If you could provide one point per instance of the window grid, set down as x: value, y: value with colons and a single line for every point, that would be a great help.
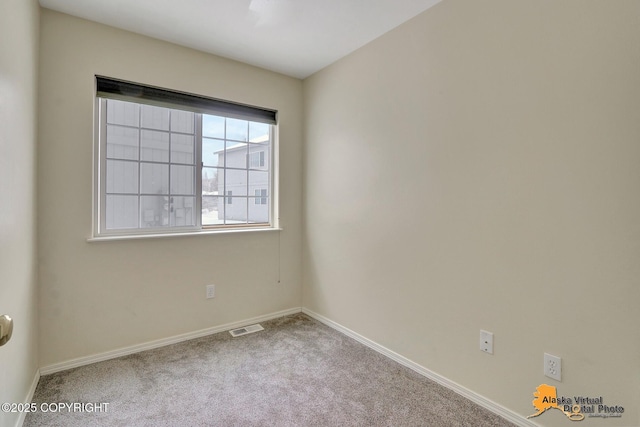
x: 228, y: 196
x: 170, y: 193
x: 252, y: 161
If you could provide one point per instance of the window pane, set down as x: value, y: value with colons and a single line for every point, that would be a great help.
x: 211, y: 210
x: 212, y: 152
x: 236, y: 156
x: 154, y: 211
x: 258, y: 210
x: 210, y: 181
x: 122, y: 177
x: 182, y: 149
x: 182, y: 180
x: 121, y: 212
x: 182, y: 121
x: 182, y: 211
x: 154, y: 146
x: 155, y: 117
x: 213, y: 126
x: 258, y: 132
x: 122, y: 143
x: 238, y: 129
x: 123, y: 113
x: 154, y: 178
x: 236, y: 181
x: 235, y: 210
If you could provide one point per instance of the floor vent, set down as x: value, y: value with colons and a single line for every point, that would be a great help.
x: 246, y: 330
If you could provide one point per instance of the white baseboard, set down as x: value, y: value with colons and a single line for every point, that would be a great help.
x: 82, y: 361
x: 463, y: 391
x: 29, y: 398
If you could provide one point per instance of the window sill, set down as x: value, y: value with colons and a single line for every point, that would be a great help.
x: 182, y: 234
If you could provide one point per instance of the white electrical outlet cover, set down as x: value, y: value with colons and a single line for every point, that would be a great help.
x: 553, y: 366
x: 211, y: 291
x: 486, y: 341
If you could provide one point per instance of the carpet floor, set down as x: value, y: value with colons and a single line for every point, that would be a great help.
x: 297, y: 372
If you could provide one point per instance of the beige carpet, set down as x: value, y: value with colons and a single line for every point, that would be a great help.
x: 297, y: 372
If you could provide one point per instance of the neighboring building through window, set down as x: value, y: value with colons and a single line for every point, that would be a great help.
x: 166, y: 167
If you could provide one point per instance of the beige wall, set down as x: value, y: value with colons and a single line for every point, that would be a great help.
x: 18, y: 67
x: 97, y: 297
x: 474, y: 168
x: 478, y: 167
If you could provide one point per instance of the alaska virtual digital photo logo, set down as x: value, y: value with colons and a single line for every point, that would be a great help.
x: 546, y: 397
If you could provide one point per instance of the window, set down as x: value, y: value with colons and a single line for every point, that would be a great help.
x: 174, y: 162
x: 256, y: 159
x: 261, y: 197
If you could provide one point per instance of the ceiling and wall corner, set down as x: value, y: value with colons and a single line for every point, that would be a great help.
x: 292, y: 37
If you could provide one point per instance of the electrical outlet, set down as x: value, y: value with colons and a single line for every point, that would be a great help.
x: 553, y: 366
x: 211, y: 291
x: 486, y: 341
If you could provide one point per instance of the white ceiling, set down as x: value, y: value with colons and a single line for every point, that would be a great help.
x: 293, y: 37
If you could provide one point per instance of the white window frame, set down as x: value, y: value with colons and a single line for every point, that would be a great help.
x: 99, y: 177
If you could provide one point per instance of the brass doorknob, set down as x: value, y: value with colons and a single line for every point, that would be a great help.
x: 6, y: 328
